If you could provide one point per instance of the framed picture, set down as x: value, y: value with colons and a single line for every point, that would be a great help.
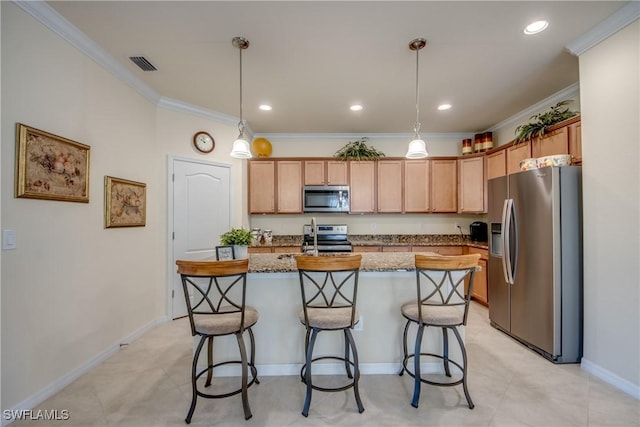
x: 50, y: 167
x: 125, y: 203
x: 224, y: 253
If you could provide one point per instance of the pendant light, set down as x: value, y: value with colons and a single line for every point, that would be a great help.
x: 417, y: 147
x: 240, y: 149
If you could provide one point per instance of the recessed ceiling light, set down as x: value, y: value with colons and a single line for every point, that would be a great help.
x: 443, y: 107
x: 356, y: 107
x: 265, y: 107
x: 536, y: 27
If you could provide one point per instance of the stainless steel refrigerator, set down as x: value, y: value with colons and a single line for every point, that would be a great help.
x: 535, y: 259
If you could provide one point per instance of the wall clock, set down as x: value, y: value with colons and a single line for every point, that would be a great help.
x: 203, y: 142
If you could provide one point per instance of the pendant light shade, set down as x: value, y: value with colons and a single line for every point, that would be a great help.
x: 417, y: 147
x: 417, y: 150
x: 240, y: 148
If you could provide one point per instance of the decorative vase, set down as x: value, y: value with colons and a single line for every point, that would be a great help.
x: 240, y: 251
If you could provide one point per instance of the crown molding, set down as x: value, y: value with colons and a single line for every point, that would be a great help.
x: 185, y: 107
x: 524, y: 115
x: 51, y: 19
x: 612, y: 24
x: 378, y: 136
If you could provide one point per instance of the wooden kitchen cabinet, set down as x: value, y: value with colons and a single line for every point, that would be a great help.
x: 366, y: 248
x: 362, y: 182
x: 480, y: 291
x: 444, y: 185
x: 575, y: 142
x: 515, y: 154
x: 442, y: 250
x: 497, y: 164
x: 396, y: 248
x: 416, y: 186
x: 289, y: 186
x: 262, y: 186
x: 472, y: 195
x: 389, y: 184
x: 552, y: 143
x: 325, y: 172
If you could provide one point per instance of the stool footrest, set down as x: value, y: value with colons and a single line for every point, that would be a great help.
x: 254, y: 379
x: 412, y: 374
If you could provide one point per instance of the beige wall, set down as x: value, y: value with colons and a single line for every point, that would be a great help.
x: 73, y: 290
x: 609, y: 77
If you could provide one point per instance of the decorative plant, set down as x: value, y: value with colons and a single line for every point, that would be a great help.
x: 236, y: 236
x: 539, y: 123
x: 358, y: 150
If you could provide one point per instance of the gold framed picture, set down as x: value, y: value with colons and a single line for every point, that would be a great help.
x: 50, y: 167
x: 125, y: 203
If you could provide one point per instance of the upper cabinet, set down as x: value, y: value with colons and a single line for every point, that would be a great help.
x: 362, y: 186
x: 325, y: 172
x: 389, y: 184
x: 515, y: 154
x: 262, y: 186
x: 554, y: 142
x: 398, y: 185
x: 289, y: 186
x: 444, y: 188
x: 496, y: 164
x: 575, y: 142
x: 471, y: 185
x: 416, y: 186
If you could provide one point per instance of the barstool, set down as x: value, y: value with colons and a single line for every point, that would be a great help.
x: 217, y: 308
x: 443, y: 303
x: 329, y: 287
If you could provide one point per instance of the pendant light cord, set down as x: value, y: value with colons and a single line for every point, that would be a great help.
x: 241, y: 124
x: 416, y: 127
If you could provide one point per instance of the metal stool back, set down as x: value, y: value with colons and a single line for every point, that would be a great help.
x: 444, y: 286
x: 329, y: 288
x: 215, y: 296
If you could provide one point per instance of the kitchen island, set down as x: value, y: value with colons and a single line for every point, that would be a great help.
x: 387, y: 280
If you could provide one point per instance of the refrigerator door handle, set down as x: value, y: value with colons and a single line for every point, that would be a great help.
x: 505, y: 241
x: 508, y: 218
x: 516, y: 243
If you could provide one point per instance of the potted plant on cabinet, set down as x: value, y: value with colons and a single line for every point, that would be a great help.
x: 239, y: 238
x: 539, y: 123
x: 358, y: 150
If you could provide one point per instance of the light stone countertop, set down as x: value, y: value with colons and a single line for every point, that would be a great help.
x: 371, y: 261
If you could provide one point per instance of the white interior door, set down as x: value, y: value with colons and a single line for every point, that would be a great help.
x: 201, y: 213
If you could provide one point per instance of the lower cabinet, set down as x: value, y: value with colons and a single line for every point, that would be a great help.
x: 480, y: 290
x: 366, y: 249
x: 442, y: 250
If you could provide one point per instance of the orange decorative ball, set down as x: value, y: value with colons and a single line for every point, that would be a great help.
x: 261, y: 147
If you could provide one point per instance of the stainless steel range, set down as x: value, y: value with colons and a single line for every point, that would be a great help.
x: 330, y: 238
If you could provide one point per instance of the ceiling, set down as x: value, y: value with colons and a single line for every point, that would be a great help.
x: 311, y: 60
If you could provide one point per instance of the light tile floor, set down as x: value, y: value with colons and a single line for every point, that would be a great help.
x: 147, y: 384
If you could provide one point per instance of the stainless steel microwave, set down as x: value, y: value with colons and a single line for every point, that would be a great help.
x: 325, y: 198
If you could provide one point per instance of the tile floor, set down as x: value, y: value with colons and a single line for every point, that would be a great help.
x: 147, y: 384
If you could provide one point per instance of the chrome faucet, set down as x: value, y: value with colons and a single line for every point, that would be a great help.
x: 314, y: 230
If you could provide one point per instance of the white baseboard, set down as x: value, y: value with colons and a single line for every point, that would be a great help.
x: 611, y: 378
x: 51, y: 389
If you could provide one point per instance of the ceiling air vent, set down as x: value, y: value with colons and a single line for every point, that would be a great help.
x: 143, y: 63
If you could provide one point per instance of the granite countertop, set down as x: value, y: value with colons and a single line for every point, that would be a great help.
x: 375, y: 261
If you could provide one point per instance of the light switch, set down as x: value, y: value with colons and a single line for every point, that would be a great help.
x: 9, y: 240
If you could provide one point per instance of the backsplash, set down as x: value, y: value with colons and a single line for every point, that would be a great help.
x: 380, y: 224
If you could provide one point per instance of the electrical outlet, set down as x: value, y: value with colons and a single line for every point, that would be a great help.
x: 360, y: 325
